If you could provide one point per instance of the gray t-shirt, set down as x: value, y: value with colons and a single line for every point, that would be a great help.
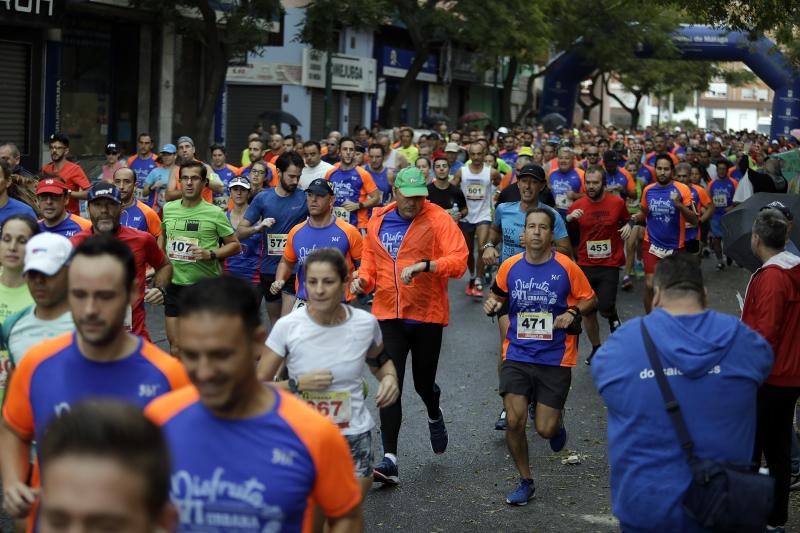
x: 29, y: 331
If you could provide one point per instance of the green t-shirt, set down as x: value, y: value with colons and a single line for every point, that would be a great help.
x: 12, y: 300
x: 202, y: 225
x: 411, y: 153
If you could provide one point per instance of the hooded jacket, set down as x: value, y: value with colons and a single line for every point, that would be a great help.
x: 432, y: 235
x: 714, y: 365
x: 772, y: 308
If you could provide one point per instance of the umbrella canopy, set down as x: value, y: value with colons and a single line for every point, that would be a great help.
x: 433, y: 118
x: 473, y: 116
x: 737, y: 225
x: 280, y: 117
x: 554, y: 122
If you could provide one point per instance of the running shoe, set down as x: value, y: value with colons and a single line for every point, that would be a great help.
x: 470, y: 286
x: 627, y: 283
x: 501, y: 423
x: 386, y: 472
x: 438, y: 434
x: 776, y: 529
x: 638, y: 268
x: 522, y: 494
x: 588, y: 360
x: 794, y: 483
x: 477, y: 289
x: 558, y: 442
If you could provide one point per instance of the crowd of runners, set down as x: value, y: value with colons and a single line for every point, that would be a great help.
x: 350, y: 244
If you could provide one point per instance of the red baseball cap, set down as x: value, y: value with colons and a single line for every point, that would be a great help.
x: 50, y: 185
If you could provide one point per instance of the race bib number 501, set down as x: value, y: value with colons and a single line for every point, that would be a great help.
x: 535, y: 326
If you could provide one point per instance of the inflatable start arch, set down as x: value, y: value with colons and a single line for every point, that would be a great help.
x: 700, y: 43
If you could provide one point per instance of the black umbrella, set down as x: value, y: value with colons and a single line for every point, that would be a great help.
x: 433, y: 118
x: 280, y: 117
x: 554, y: 122
x: 737, y: 225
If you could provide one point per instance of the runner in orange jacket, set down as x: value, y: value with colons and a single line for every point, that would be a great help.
x: 411, y: 249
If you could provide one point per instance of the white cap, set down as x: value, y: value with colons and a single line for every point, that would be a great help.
x: 47, y: 253
x: 502, y: 129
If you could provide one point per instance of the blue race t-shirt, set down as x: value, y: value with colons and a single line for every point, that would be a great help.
x: 714, y: 365
x: 133, y: 217
x: 381, y: 180
x: 226, y: 174
x: 247, y: 263
x: 15, y: 207
x: 157, y: 199
x: 142, y: 168
x: 511, y: 221
x: 562, y: 183
x: 287, y: 211
x: 721, y: 192
x: 665, y: 223
x: 392, y: 232
x: 67, y: 227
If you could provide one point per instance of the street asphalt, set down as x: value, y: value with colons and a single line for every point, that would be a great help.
x: 465, y: 489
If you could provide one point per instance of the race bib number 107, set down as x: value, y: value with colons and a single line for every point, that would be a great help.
x: 180, y: 248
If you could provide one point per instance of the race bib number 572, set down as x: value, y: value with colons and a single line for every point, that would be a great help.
x: 535, y: 326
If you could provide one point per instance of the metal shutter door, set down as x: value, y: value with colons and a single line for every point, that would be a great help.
x: 356, y: 112
x: 318, y: 113
x: 244, y: 104
x: 15, y: 94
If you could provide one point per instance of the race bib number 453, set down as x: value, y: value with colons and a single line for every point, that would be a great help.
x: 535, y: 326
x: 335, y: 405
x: 598, y: 249
x: 180, y: 248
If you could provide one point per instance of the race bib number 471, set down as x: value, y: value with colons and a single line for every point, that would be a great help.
x: 535, y: 326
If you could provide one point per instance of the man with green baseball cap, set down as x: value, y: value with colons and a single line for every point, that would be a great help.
x: 411, y: 248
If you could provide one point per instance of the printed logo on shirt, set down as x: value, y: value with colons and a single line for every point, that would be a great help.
x: 649, y: 373
x: 283, y: 457
x: 303, y: 252
x: 392, y: 242
x: 531, y: 292
x: 219, y: 503
x: 148, y: 391
x: 61, y: 408
x: 343, y: 190
x: 661, y: 209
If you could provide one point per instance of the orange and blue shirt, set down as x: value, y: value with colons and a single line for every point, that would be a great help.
x: 305, y: 238
x: 650, y: 159
x: 666, y: 225
x: 247, y: 263
x: 351, y: 185
x: 721, y: 191
x: 226, y: 174
x: 263, y: 473
x: 562, y: 183
x: 701, y: 200
x: 68, y: 227
x: 646, y: 173
x: 622, y: 178
x: 140, y: 216
x: 142, y: 168
x: 55, y: 375
x: 537, y: 294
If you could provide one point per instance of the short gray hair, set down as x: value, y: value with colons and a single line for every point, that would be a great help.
x: 771, y: 226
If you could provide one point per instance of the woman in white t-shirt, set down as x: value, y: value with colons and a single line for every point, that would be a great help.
x: 325, y: 345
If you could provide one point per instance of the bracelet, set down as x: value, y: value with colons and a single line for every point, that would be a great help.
x: 361, y: 206
x: 163, y: 291
x: 573, y: 310
x: 488, y: 245
x: 631, y: 222
x: 427, y: 265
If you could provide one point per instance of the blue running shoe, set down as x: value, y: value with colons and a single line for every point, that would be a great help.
x: 386, y: 472
x: 501, y: 423
x: 438, y: 434
x: 522, y: 494
x: 558, y: 442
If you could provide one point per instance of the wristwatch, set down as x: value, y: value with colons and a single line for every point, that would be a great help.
x: 488, y: 245
x: 293, y: 386
x: 213, y: 255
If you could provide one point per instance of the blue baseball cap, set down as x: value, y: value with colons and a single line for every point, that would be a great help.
x: 102, y: 189
x: 169, y: 149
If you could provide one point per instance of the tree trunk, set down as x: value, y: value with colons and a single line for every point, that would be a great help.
x: 508, y: 88
x: 218, y: 59
x: 393, y: 106
x: 635, y: 112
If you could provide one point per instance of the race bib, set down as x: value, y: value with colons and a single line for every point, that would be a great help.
x: 222, y: 201
x: 299, y: 303
x: 598, y: 249
x: 660, y: 252
x: 179, y: 248
x: 476, y: 191
x: 276, y: 243
x: 562, y: 202
x: 335, y: 405
x: 341, y: 212
x: 720, y: 200
x: 535, y: 326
